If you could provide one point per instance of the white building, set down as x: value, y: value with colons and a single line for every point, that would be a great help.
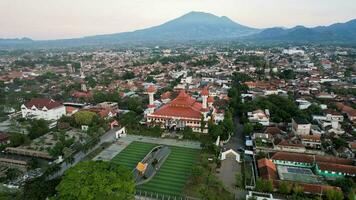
x: 46, y: 109
x: 293, y: 51
x: 303, y: 104
x: 259, y: 116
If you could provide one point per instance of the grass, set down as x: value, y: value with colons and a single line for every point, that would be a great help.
x: 132, y: 154
x: 172, y: 176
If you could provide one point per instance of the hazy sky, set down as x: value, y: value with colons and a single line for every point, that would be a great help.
x: 54, y: 19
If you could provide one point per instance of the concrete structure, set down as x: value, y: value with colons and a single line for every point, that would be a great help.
x: 300, y: 126
x: 151, y: 90
x: 120, y: 133
x: 260, y: 196
x: 229, y: 153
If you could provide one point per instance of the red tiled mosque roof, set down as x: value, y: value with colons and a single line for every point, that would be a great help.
x: 182, y: 106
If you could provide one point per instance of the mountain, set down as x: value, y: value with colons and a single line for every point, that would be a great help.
x: 15, y: 40
x: 191, y: 26
x: 335, y: 33
x: 200, y: 26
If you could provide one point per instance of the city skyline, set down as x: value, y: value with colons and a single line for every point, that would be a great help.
x: 42, y: 20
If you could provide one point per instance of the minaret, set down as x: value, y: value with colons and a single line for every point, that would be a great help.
x: 210, y: 101
x: 83, y: 86
x: 151, y: 90
x: 204, y: 95
x: 82, y: 77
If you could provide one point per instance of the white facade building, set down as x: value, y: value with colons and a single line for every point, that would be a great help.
x: 259, y: 116
x: 46, y: 109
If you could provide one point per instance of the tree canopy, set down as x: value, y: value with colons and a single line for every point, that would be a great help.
x: 84, y: 117
x: 96, y: 180
x: 38, y: 128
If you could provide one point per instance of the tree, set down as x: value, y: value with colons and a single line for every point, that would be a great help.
x: 187, y: 132
x: 33, y: 163
x: 259, y: 185
x: 264, y: 185
x: 17, y: 139
x: 239, y: 180
x: 351, y: 195
x: 287, y: 74
x: 285, y: 188
x: 298, y: 190
x: 96, y: 180
x: 128, y: 75
x: 202, y: 123
x: 38, y: 128
x: 12, y: 173
x: 346, y: 184
x: 334, y: 195
x: 129, y: 120
x: 84, y: 117
x: 197, y: 173
x: 248, y: 128
x: 39, y: 188
x: 268, y: 186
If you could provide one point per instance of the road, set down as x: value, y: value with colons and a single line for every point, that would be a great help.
x: 107, y: 137
x: 229, y: 166
x: 238, y: 139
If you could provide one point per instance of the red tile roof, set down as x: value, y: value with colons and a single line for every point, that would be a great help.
x: 79, y: 94
x: 205, y: 91
x: 70, y: 109
x: 298, y: 157
x: 267, y: 169
x: 151, y: 89
x: 182, y: 106
x: 337, y: 167
x: 39, y: 103
x: 210, y: 99
x: 310, y: 137
x: 272, y: 130
x: 352, y: 145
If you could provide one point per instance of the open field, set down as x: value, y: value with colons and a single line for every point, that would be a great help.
x: 172, y: 176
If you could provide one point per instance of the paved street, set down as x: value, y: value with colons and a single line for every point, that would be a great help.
x: 229, y: 166
x: 238, y: 139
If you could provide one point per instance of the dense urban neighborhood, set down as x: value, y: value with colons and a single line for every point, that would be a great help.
x: 185, y: 121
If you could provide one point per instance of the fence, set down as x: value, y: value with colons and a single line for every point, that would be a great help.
x: 147, y: 195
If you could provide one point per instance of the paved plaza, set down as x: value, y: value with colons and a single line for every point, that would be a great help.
x: 114, y: 149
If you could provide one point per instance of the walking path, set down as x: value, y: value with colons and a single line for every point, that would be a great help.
x: 110, y: 152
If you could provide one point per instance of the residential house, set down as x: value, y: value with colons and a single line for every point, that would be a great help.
x: 259, y: 116
x: 311, y: 141
x: 300, y: 126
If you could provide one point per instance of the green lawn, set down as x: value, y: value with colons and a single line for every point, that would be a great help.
x: 132, y: 154
x: 173, y: 175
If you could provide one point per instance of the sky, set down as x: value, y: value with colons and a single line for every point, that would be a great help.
x: 60, y: 19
